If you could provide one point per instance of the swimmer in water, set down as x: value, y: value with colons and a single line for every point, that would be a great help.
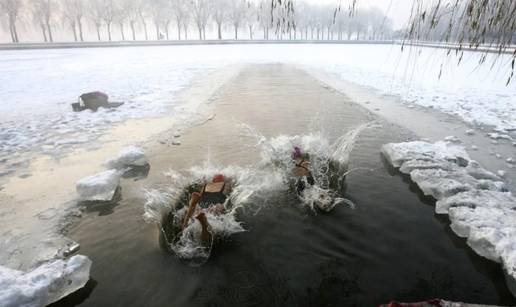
x: 302, y: 169
x: 210, y: 199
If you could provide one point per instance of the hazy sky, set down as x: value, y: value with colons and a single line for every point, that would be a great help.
x: 397, y: 10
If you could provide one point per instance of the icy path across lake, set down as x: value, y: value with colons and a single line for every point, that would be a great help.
x: 478, y: 204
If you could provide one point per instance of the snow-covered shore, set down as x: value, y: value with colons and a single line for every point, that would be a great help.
x: 477, y: 202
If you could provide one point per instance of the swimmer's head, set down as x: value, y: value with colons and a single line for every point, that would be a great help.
x: 296, y: 154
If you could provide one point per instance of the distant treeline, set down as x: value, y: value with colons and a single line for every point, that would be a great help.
x: 174, y: 19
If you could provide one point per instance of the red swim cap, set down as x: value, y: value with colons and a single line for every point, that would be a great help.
x: 218, y: 178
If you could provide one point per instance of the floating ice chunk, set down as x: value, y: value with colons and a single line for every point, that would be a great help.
x: 476, y: 199
x: 465, y: 218
x: 474, y: 147
x: 452, y: 139
x: 510, y: 161
x: 493, y: 243
x: 44, y: 285
x: 498, y: 136
x: 501, y: 173
x: 470, y: 132
x: 129, y: 156
x: 478, y: 172
x: 409, y: 166
x: 440, y: 183
x: 509, y: 265
x: 398, y: 153
x: 99, y: 187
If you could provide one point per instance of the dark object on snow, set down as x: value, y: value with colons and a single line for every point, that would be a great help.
x: 93, y: 101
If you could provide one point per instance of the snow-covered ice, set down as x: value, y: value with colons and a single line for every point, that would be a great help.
x: 45, y: 284
x: 397, y: 154
x: 478, y: 204
x: 128, y: 157
x: 99, y: 187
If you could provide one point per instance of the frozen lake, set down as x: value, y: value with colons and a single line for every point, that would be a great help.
x: 35, y: 117
x: 39, y: 85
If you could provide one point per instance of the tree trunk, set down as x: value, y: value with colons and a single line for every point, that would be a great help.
x: 133, y: 30
x: 145, y: 30
x: 186, y: 32
x: 167, y: 33
x: 204, y: 32
x: 74, y: 32
x: 108, y: 24
x: 121, y: 24
x: 12, y: 29
x: 44, y: 32
x: 236, y: 32
x: 49, y: 31
x: 15, y: 31
x: 178, y: 29
x: 251, y: 32
x: 79, y: 25
x: 157, y: 31
x: 98, y: 31
x: 12, y: 34
x: 219, y: 30
x: 200, y: 32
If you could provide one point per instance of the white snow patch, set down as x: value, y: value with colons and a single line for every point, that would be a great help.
x: 99, y: 187
x: 45, y: 284
x: 479, y: 206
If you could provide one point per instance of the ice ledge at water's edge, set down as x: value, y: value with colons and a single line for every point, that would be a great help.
x: 45, y: 284
x: 478, y: 204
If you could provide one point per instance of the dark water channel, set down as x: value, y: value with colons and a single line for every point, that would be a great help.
x: 391, y: 246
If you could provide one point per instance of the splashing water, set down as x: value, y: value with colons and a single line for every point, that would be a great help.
x: 252, y: 186
x: 329, y: 164
x: 171, y: 203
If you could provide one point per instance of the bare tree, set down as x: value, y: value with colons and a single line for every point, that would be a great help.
x: 161, y: 12
x: 251, y: 16
x: 142, y: 9
x: 264, y: 18
x: 95, y: 12
x: 201, y: 12
x: 69, y: 16
x: 43, y: 11
x: 12, y: 9
x: 237, y: 14
x: 132, y: 15
x: 122, y: 13
x: 180, y: 10
x: 220, y: 15
x: 108, y: 15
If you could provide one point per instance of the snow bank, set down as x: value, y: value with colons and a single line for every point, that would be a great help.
x: 128, y: 157
x: 44, y: 285
x: 479, y: 206
x: 99, y: 187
